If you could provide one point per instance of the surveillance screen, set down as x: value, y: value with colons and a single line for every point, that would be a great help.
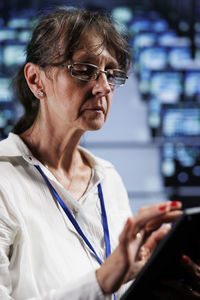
x: 154, y: 58
x: 180, y: 121
x: 5, y: 89
x: 179, y: 57
x: 13, y: 54
x: 180, y: 164
x: 7, y: 34
x: 166, y: 86
x: 192, y: 84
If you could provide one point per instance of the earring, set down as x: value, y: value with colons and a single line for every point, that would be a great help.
x: 40, y: 93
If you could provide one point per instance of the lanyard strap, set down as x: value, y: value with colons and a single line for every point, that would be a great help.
x: 75, y: 223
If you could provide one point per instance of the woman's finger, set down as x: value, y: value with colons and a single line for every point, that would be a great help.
x: 148, y: 213
x: 192, y: 269
x: 169, y: 217
x: 152, y: 241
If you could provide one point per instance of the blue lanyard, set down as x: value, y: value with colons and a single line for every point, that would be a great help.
x: 75, y: 223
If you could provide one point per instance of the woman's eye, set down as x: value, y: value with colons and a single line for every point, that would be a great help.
x: 111, y: 73
x: 80, y: 68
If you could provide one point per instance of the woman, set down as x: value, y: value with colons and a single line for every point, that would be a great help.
x: 62, y: 209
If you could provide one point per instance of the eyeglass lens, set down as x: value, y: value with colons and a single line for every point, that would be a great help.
x: 89, y: 72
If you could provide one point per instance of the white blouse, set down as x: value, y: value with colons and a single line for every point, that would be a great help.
x: 42, y: 257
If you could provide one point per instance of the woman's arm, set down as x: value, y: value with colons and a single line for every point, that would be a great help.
x: 136, y: 244
x: 122, y: 265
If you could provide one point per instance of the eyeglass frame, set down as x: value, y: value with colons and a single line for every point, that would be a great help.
x: 70, y: 67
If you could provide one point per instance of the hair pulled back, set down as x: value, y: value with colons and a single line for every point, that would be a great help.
x: 54, y: 40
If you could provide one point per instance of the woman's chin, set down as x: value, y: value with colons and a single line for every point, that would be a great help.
x: 93, y: 124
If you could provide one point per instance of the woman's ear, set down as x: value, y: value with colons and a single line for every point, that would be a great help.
x: 33, y: 74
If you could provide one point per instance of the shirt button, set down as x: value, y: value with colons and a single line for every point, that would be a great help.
x: 75, y: 210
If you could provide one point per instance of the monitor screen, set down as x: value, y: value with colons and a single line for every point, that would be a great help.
x: 171, y: 40
x: 179, y: 56
x: 154, y: 58
x: 192, y: 84
x: 166, y: 38
x: 122, y: 14
x: 8, y: 34
x: 139, y: 25
x: 6, y: 94
x: 144, y: 39
x: 166, y: 86
x: 180, y: 121
x: 24, y: 35
x: 180, y: 164
x: 14, y: 54
x: 18, y: 22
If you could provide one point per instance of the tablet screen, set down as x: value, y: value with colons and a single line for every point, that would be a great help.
x: 165, y: 260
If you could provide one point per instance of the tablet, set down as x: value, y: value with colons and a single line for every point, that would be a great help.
x: 184, y: 237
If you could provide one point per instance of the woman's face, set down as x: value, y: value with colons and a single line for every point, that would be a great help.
x: 79, y: 104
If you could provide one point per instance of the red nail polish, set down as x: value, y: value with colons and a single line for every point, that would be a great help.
x: 127, y: 223
x: 163, y: 207
x: 174, y: 203
x: 186, y: 259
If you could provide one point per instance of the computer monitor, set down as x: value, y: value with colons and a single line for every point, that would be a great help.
x: 13, y: 54
x: 24, y: 35
x: 178, y: 57
x: 192, y: 84
x: 6, y: 94
x: 153, y: 58
x: 180, y: 121
x: 143, y: 39
x: 166, y: 38
x: 167, y: 86
x: 8, y: 34
x: 172, y: 40
x: 18, y: 22
x: 180, y: 164
x: 122, y: 14
x: 139, y: 25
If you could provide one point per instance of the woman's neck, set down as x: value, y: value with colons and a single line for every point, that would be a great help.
x: 53, y: 148
x: 58, y: 151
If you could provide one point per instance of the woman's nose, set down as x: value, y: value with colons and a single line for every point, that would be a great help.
x: 101, y: 85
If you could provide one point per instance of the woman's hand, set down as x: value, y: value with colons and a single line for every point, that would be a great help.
x: 136, y: 244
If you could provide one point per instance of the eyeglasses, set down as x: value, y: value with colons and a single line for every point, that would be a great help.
x: 89, y: 72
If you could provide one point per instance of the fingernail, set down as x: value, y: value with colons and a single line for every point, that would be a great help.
x: 127, y: 223
x: 166, y: 228
x: 185, y: 259
x: 163, y: 207
x: 175, y: 203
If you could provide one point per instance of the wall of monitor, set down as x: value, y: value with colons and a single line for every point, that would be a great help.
x: 166, y: 60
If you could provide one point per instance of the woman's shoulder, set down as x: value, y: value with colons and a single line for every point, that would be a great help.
x: 10, y: 146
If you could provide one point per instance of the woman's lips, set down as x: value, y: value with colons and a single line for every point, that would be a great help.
x: 96, y: 109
